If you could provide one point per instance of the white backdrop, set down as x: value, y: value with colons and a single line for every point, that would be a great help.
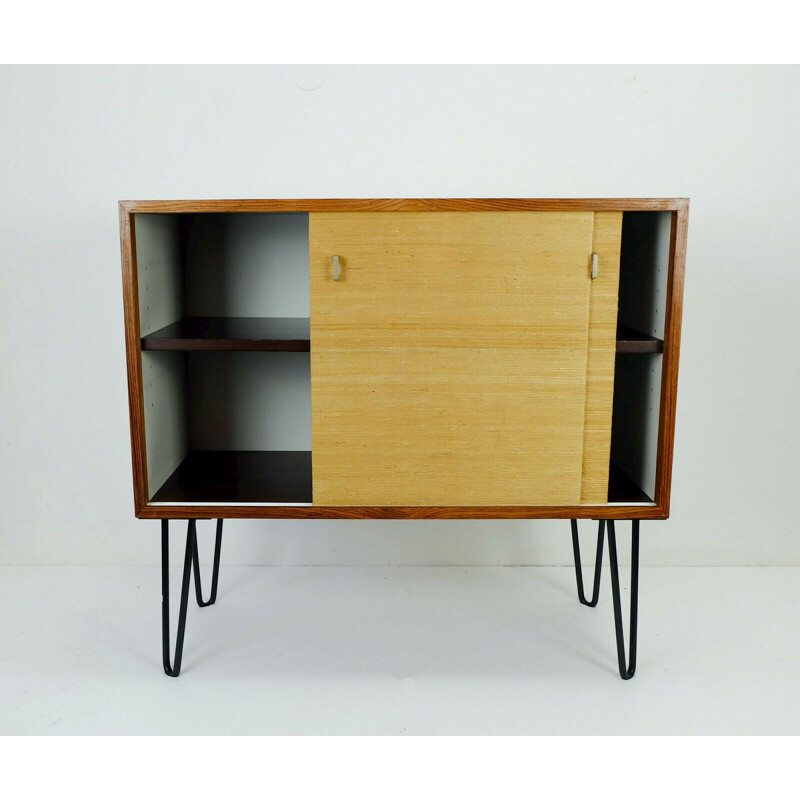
x: 73, y: 141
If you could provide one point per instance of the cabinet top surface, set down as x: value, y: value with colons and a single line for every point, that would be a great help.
x: 403, y: 204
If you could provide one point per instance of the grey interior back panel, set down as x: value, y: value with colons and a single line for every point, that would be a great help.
x: 158, y: 263
x: 644, y: 268
x: 165, y: 415
x: 158, y: 260
x: 249, y: 401
x: 246, y: 265
x: 634, y: 426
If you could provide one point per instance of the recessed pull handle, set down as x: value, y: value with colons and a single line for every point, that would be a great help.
x: 336, y: 268
x: 594, y: 265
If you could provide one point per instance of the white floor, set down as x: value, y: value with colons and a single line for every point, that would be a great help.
x: 411, y: 650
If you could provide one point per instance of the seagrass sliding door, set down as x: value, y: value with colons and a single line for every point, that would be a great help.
x: 462, y: 358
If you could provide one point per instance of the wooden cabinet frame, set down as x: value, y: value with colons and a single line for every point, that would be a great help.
x: 679, y: 209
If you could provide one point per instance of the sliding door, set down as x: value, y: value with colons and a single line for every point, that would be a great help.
x: 453, y: 359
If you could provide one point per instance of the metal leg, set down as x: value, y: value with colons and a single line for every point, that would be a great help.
x: 190, y: 559
x: 215, y: 572
x: 626, y: 667
x: 598, y: 563
x: 174, y: 669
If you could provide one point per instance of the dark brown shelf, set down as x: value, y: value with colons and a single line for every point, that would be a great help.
x: 284, y: 476
x: 232, y: 333
x: 621, y: 489
x: 240, y: 476
x: 292, y: 334
x: 631, y: 341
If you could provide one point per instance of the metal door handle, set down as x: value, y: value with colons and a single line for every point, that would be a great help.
x: 336, y: 268
x: 594, y: 265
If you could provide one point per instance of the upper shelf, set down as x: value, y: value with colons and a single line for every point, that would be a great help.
x: 292, y: 334
x: 631, y: 341
x: 232, y: 333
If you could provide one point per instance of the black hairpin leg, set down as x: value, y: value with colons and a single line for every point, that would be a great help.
x: 190, y: 559
x: 626, y: 670
x: 215, y: 573
x: 598, y: 563
x: 627, y: 667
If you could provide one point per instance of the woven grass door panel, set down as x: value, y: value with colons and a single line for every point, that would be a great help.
x: 450, y: 361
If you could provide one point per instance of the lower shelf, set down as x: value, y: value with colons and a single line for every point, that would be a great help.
x: 622, y: 489
x: 240, y: 476
x: 284, y: 476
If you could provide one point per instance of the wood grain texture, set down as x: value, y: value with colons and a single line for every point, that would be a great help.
x: 260, y: 334
x: 403, y: 204
x: 603, y: 294
x: 669, y: 365
x: 622, y: 511
x: 448, y: 365
x: 130, y: 299
x: 631, y: 341
x: 215, y: 474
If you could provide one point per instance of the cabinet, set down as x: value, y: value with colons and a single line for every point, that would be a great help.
x: 403, y: 358
x: 463, y: 365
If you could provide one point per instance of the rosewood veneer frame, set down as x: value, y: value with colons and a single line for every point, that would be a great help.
x: 679, y: 209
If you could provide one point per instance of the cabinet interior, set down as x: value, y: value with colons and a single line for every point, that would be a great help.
x: 644, y: 269
x: 224, y: 305
x: 224, y: 321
